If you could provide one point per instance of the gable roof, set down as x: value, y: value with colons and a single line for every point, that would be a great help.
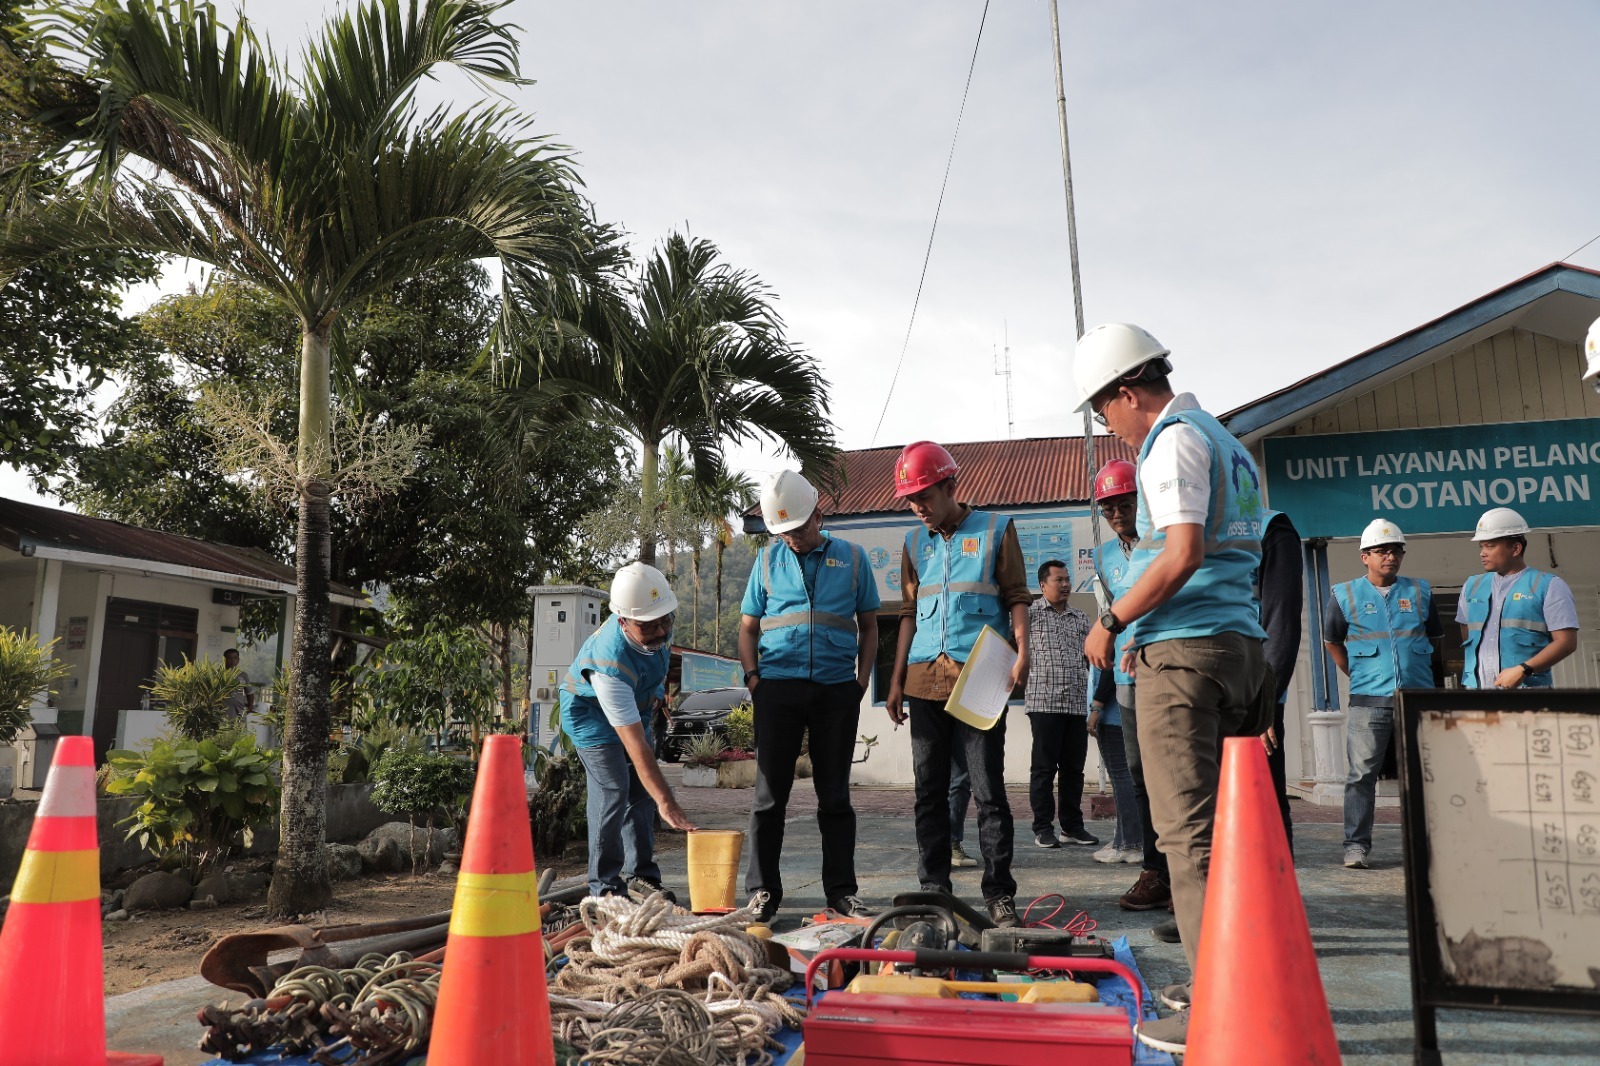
x: 1036, y: 471
x: 49, y: 533
x: 1559, y: 300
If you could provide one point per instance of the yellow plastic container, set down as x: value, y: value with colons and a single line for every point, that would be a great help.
x: 714, y: 870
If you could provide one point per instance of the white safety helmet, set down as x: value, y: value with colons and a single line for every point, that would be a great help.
x: 1500, y: 522
x: 640, y: 592
x: 787, y: 501
x: 1109, y: 352
x: 1591, y: 352
x: 1381, y: 531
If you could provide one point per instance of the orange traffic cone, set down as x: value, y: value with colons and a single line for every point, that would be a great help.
x: 493, y: 1004
x: 52, y: 976
x: 1257, y: 993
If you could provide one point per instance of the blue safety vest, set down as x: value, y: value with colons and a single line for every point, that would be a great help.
x: 957, y: 591
x: 811, y: 635
x: 608, y: 651
x: 1116, y: 570
x: 1220, y: 597
x: 1523, y: 632
x: 1388, y: 641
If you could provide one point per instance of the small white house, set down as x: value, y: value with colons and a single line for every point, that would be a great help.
x: 122, y: 599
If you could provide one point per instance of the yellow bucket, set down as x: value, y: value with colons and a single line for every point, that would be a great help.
x: 714, y: 870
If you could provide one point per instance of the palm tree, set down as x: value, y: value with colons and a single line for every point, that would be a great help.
x: 692, y: 352
x: 729, y: 493
x: 322, y: 188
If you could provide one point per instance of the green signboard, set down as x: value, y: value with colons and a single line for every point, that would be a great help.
x: 1437, y: 480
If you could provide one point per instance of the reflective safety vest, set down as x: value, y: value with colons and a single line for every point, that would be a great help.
x: 1388, y: 641
x: 1523, y: 633
x: 1221, y: 596
x: 957, y: 593
x: 608, y: 651
x: 811, y: 635
x: 1116, y: 570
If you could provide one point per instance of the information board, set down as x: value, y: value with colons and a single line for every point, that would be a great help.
x: 1501, y: 792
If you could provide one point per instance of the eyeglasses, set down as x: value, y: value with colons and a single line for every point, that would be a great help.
x: 1386, y: 549
x: 655, y: 625
x: 1111, y: 507
x: 1100, y: 412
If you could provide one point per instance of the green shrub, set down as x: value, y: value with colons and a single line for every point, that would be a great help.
x: 195, y: 696
x: 706, y: 749
x: 203, y: 799
x: 741, y: 724
x: 415, y: 783
x: 434, y: 680
x: 27, y: 670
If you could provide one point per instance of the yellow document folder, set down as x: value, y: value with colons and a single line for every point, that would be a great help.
x: 984, y: 687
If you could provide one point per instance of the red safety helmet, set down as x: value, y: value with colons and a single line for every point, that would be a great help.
x: 921, y: 464
x: 1116, y: 478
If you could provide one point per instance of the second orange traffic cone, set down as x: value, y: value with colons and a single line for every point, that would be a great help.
x: 1257, y: 994
x: 52, y: 979
x: 493, y: 1003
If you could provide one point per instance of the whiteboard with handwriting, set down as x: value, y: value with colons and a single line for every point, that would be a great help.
x: 1513, y: 810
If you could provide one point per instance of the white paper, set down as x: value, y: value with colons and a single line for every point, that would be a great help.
x: 984, y: 687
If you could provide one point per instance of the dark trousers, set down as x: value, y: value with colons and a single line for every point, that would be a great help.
x: 785, y: 710
x: 1280, y: 778
x: 1153, y: 858
x: 933, y: 735
x: 1060, y: 745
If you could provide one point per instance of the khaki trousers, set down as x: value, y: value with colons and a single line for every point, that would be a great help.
x: 1193, y: 693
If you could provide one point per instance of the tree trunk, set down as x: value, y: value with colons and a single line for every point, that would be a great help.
x: 649, y: 471
x: 300, y: 882
x: 694, y: 613
x: 527, y: 690
x: 716, y: 625
x: 503, y: 642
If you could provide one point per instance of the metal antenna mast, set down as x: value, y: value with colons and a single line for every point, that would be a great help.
x: 1002, y: 369
x: 1077, y: 278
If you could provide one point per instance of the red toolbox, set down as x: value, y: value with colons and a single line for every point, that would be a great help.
x: 849, y: 1029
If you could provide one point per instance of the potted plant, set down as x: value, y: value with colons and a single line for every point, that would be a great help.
x: 27, y: 670
x: 710, y: 762
x: 195, y: 696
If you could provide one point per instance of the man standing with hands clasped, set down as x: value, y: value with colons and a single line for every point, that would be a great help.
x: 1380, y: 630
x: 808, y: 638
x: 1197, y: 636
x: 1516, y: 622
x: 1058, y: 705
x: 959, y: 573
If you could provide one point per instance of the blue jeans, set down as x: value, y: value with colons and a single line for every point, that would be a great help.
x: 1130, y: 830
x: 1367, y: 731
x: 960, y: 793
x: 622, y: 821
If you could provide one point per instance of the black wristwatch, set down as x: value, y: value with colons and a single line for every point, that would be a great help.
x: 1527, y: 671
x: 1109, y: 620
x: 748, y: 674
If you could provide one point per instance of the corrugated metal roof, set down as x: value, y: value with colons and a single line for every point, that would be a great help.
x: 29, y: 524
x: 994, y: 473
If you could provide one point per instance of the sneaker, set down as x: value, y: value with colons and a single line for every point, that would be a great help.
x: 852, y: 907
x: 1150, y: 893
x: 642, y: 888
x: 1109, y: 853
x: 1003, y: 912
x: 1081, y: 837
x: 1175, y: 996
x: 959, y: 857
x: 763, y: 905
x: 1167, y: 933
x: 1355, y: 858
x: 1046, y: 839
x: 1169, y: 1034
x: 1131, y: 855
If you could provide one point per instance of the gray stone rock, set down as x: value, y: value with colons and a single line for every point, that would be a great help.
x: 344, y: 862
x: 117, y: 916
x: 158, y: 891
x: 248, y: 884
x: 387, y: 849
x: 207, y: 904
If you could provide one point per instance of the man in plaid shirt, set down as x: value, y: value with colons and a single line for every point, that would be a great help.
x: 1058, y: 707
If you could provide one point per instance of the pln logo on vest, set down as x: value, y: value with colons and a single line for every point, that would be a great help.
x: 1521, y: 596
x: 969, y: 545
x: 835, y: 562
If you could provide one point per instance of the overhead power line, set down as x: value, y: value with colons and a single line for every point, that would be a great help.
x: 928, y: 253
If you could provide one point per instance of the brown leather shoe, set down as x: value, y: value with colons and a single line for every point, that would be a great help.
x: 1151, y: 892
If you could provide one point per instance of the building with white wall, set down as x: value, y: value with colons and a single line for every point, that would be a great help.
x: 122, y: 599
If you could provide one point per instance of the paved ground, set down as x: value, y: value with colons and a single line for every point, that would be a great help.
x: 1357, y: 919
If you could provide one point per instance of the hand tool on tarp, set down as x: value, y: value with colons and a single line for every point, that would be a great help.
x: 240, y: 961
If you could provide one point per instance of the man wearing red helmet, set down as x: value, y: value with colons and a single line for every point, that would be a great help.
x: 961, y: 572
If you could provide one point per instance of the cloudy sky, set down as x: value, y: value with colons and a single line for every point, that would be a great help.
x: 1268, y: 187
